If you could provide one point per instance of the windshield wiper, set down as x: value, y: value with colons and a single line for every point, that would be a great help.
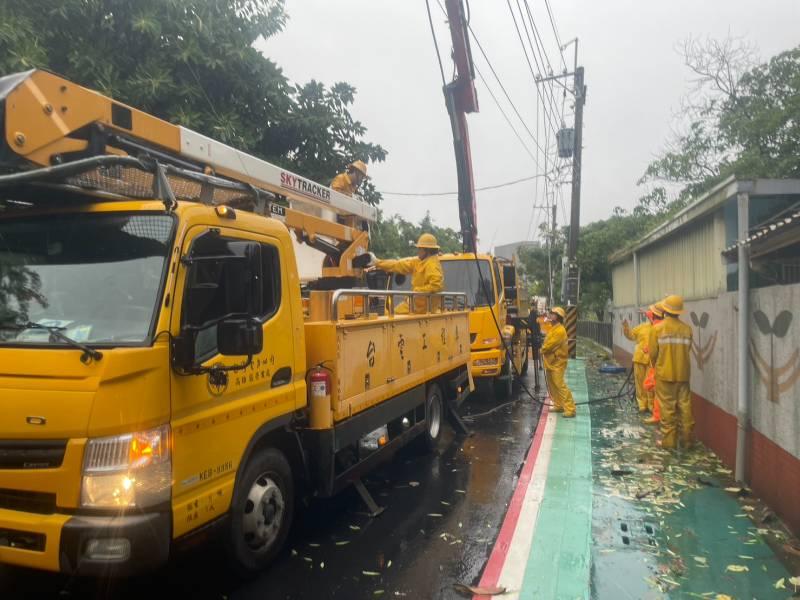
x: 56, y: 332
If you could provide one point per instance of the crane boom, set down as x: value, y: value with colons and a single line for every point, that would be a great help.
x: 50, y: 121
x: 462, y: 98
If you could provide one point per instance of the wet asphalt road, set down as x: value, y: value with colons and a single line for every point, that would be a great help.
x: 443, y: 512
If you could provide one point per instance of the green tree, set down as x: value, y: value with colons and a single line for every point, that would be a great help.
x: 742, y: 118
x: 193, y: 62
x: 394, y: 237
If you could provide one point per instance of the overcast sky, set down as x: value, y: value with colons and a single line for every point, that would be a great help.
x: 634, y: 75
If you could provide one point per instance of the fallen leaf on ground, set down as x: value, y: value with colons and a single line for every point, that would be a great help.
x: 795, y: 581
x: 737, y: 568
x: 471, y: 590
x: 313, y: 544
x: 343, y: 543
x: 413, y: 483
x: 780, y: 584
x: 371, y: 573
x: 701, y: 559
x: 355, y: 527
x: 745, y: 557
x: 434, y: 515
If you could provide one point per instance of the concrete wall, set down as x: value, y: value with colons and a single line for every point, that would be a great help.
x: 774, y: 444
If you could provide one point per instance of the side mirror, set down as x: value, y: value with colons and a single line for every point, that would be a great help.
x: 239, y: 337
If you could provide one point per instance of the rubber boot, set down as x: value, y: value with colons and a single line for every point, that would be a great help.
x: 656, y: 418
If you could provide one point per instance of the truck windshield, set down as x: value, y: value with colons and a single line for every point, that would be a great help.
x: 462, y: 276
x: 94, y: 277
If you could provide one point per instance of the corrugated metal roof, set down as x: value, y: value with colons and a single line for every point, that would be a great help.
x: 708, y: 203
x: 767, y: 233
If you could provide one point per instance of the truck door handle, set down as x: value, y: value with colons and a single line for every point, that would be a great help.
x: 282, y: 377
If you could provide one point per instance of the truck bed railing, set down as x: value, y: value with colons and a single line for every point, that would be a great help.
x: 448, y: 302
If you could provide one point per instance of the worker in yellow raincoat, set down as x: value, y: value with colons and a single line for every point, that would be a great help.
x: 425, y: 270
x: 641, y: 360
x: 654, y: 404
x: 670, y: 344
x: 347, y: 183
x: 555, y: 350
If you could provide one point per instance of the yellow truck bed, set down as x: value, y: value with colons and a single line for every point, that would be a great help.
x: 379, y: 358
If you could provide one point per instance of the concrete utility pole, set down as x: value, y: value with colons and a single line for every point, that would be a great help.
x: 550, y: 246
x: 575, y: 205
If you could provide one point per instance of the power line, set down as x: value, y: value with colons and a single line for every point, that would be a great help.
x: 435, y: 43
x: 480, y: 189
x: 503, y: 88
x: 555, y: 33
x: 528, y: 60
x: 505, y: 116
x: 539, y: 47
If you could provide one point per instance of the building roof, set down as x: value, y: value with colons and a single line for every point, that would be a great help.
x: 769, y: 237
x: 707, y: 204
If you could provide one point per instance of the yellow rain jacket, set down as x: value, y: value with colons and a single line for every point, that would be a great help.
x: 555, y: 348
x: 670, y: 346
x: 426, y: 275
x: 641, y: 335
x: 343, y: 184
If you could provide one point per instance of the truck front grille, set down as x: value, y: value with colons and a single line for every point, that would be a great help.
x: 23, y: 540
x: 32, y: 502
x: 32, y: 454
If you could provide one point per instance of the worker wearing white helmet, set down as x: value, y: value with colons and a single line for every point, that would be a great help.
x: 347, y: 183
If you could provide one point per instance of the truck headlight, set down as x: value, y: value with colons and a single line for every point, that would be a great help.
x: 122, y: 471
x: 489, y: 341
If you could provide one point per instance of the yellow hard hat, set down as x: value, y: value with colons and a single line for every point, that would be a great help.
x: 427, y: 240
x: 673, y: 304
x: 360, y: 166
x: 559, y: 311
x: 657, y: 310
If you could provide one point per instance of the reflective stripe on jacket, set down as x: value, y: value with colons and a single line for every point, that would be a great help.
x: 670, y: 348
x: 555, y: 348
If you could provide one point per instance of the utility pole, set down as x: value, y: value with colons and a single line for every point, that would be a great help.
x: 575, y: 205
x: 570, y: 272
x: 550, y: 245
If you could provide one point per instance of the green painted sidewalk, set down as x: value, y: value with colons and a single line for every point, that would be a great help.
x: 559, y: 562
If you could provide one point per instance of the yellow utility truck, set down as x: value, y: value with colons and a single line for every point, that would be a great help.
x: 480, y: 277
x: 163, y: 375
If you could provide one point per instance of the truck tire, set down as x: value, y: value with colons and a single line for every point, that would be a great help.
x: 504, y: 383
x: 434, y: 417
x: 261, y: 512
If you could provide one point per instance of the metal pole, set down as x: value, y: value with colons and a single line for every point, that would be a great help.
x: 743, y: 398
x: 550, y: 246
x: 575, y: 206
x: 571, y: 263
x: 637, y: 287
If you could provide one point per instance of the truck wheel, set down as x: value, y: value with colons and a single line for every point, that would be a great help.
x: 261, y: 512
x: 434, y: 417
x: 503, y: 385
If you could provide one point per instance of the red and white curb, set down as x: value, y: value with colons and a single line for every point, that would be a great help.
x: 509, y: 557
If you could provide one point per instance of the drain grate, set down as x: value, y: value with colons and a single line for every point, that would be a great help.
x: 636, y: 533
